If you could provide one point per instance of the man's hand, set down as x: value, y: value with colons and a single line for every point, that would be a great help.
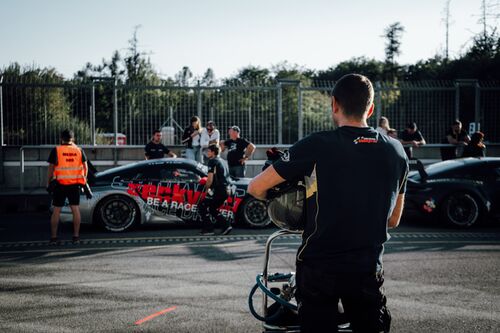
x: 264, y: 181
x: 242, y: 160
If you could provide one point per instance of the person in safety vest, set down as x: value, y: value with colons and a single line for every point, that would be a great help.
x: 68, y: 171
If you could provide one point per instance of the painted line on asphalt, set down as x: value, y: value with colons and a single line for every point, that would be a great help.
x: 154, y: 315
x: 188, y: 239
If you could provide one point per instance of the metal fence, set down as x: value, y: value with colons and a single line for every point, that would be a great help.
x: 276, y: 113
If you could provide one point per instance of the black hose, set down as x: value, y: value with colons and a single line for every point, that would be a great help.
x: 270, y: 294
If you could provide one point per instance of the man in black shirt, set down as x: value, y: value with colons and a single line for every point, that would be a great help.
x: 411, y: 138
x: 216, y: 188
x: 155, y: 149
x: 355, y: 182
x: 456, y: 136
x: 239, y: 150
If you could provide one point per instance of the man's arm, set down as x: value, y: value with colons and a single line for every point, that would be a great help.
x: 451, y: 140
x: 397, y: 212
x: 50, y: 173
x: 210, y: 180
x: 171, y: 154
x: 248, y: 152
x: 264, y: 181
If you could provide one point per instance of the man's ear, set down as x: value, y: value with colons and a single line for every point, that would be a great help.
x: 335, y: 105
x: 370, y: 110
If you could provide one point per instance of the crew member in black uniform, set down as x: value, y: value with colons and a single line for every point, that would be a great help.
x: 155, y: 149
x: 355, y: 182
x: 216, y: 188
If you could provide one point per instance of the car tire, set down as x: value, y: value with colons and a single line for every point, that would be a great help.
x: 253, y: 213
x: 461, y: 210
x: 117, y: 213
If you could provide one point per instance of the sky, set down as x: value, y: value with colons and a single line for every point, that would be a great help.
x: 227, y: 35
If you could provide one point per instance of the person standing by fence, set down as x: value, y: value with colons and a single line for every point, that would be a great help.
x: 209, y: 136
x: 411, y: 138
x: 191, y: 138
x: 383, y: 126
x: 457, y: 137
x: 66, y: 173
x: 155, y: 149
x: 476, y: 146
x: 239, y: 151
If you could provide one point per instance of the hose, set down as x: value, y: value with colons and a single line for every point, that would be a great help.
x: 270, y: 294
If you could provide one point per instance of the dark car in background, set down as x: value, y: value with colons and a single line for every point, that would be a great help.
x: 163, y: 190
x: 461, y: 192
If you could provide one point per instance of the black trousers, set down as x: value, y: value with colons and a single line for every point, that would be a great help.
x: 363, y: 300
x: 209, y: 213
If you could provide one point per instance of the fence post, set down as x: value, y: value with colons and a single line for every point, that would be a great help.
x: 115, y: 111
x: 378, y: 101
x: 280, y: 113
x: 250, y: 137
x: 299, y: 111
x: 199, y: 101
x: 1, y: 111
x: 477, y: 105
x: 457, y: 100
x: 92, y: 115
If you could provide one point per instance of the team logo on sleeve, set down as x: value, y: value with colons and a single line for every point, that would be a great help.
x: 362, y: 139
x: 286, y: 156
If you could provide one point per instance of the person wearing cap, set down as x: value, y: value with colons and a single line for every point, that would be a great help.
x: 209, y: 136
x: 411, y: 138
x: 239, y: 150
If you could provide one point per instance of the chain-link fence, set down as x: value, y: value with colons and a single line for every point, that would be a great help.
x: 276, y: 113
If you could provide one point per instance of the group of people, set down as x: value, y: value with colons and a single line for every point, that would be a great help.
x: 198, y: 140
x: 463, y: 144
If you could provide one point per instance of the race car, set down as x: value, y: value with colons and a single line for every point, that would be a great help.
x: 459, y: 192
x: 162, y: 190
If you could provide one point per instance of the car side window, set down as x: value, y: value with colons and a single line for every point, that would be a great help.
x: 178, y: 174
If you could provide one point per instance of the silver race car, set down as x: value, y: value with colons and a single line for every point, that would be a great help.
x: 163, y: 190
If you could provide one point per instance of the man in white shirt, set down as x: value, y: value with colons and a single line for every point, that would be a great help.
x: 209, y: 136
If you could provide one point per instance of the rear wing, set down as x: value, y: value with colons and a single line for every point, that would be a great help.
x: 416, y: 164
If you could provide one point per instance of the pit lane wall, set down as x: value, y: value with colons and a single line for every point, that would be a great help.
x: 104, y: 157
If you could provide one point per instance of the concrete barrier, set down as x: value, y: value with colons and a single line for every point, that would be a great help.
x: 105, y: 157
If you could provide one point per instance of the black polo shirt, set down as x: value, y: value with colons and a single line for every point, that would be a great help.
x: 235, y: 150
x: 155, y: 150
x: 221, y: 173
x: 353, y: 177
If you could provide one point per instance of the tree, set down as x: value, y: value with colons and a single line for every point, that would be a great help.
x: 184, y: 76
x: 393, y: 34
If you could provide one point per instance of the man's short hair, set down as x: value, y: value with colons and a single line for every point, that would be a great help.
x: 354, y: 93
x: 457, y: 122
x: 411, y: 125
x: 67, y: 135
x: 214, y: 148
x: 156, y: 131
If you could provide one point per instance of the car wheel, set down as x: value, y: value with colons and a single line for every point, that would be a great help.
x: 461, y: 210
x: 253, y: 213
x: 117, y: 213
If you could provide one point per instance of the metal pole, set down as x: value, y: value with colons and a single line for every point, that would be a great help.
x: 1, y: 111
x: 457, y: 100
x: 477, y: 106
x: 21, y: 169
x: 198, y: 100
x: 250, y: 123
x: 280, y: 113
x: 171, y: 116
x: 92, y: 116
x: 378, y: 101
x: 300, y: 114
x: 115, y: 111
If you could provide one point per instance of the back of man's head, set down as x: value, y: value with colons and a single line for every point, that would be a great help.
x: 214, y: 149
x: 67, y: 135
x: 354, y: 93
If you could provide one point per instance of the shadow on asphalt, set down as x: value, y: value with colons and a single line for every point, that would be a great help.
x: 94, y: 241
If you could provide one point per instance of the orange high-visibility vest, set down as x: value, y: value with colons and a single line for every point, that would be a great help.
x: 69, y: 168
